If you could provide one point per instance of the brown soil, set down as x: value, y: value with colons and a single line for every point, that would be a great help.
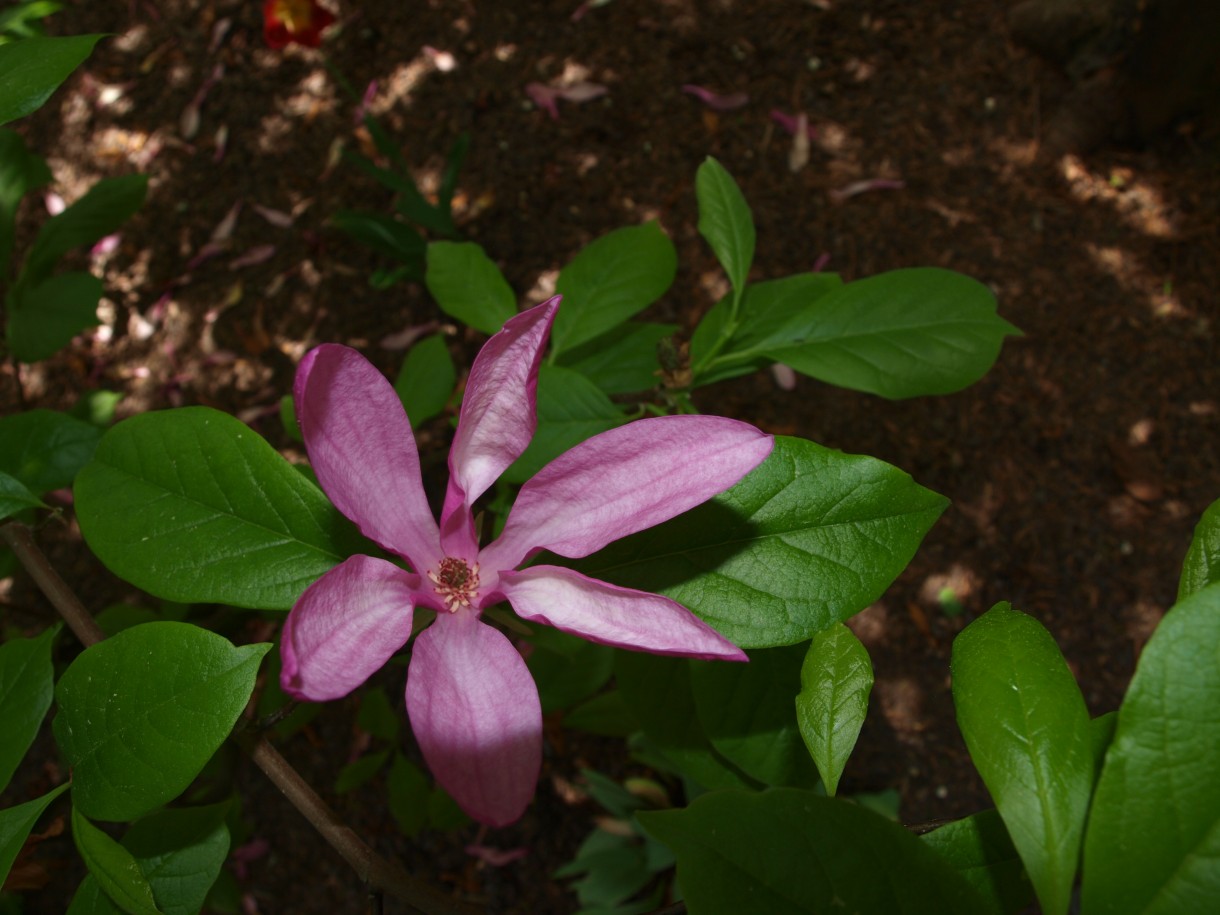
x: 1077, y: 468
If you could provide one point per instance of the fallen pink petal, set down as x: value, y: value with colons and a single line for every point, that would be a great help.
x: 864, y: 187
x: 277, y: 218
x: 259, y: 254
x: 789, y: 123
x: 470, y: 698
x: 496, y: 857
x: 547, y: 97
x: 714, y: 100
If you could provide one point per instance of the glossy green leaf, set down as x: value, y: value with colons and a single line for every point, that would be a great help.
x: 809, y: 538
x: 772, y: 313
x: 1101, y: 735
x: 427, y: 378
x: 16, y: 823
x: 746, y: 712
x: 408, y: 790
x: 1154, y: 830
x: 468, y: 286
x: 103, y: 209
x: 44, y: 449
x: 14, y: 497
x: 657, y: 690
x: 27, y: 683
x: 787, y: 851
x: 623, y: 360
x: 570, y: 410
x: 141, y: 713
x: 1202, y: 564
x: 980, y: 850
x: 567, y: 669
x: 905, y: 333
x: 192, y: 505
x: 20, y: 171
x: 1027, y: 730
x: 385, y: 235
x: 24, y: 19
x: 114, y: 867
x: 180, y: 851
x: 611, y: 279
x: 836, y: 679
x: 43, y: 319
x: 725, y: 221
x: 31, y: 69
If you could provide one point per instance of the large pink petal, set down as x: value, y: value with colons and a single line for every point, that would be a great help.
x: 475, y: 712
x: 360, y: 444
x: 623, y: 481
x: 498, y: 417
x: 606, y: 613
x: 345, y: 627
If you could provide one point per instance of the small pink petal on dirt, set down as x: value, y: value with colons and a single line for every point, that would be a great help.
x: 820, y: 264
x: 106, y: 245
x: 715, y: 100
x: 259, y: 254
x: 496, y: 857
x: 789, y: 123
x: 54, y: 203
x: 221, y: 141
x: 404, y: 338
x: 547, y: 97
x: 277, y: 218
x: 784, y: 376
x: 442, y: 60
x: 863, y: 187
x: 224, y: 228
x: 219, y: 31
x: 798, y: 155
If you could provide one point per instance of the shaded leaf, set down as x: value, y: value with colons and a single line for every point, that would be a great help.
x: 33, y: 68
x: 43, y: 319
x: 836, y: 679
x: 427, y: 378
x: 1202, y: 564
x: 114, y: 868
x: 980, y: 850
x: 16, y: 824
x: 26, y: 687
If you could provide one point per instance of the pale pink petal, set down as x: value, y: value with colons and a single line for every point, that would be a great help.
x: 579, y: 93
x: 360, y: 445
x: 498, y: 418
x: 605, y: 613
x: 715, y: 100
x: 345, y: 627
x: 791, y: 123
x: 475, y: 712
x: 545, y: 98
x: 623, y: 481
x: 838, y: 195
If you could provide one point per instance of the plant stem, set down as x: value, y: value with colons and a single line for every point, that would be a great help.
x: 368, y: 865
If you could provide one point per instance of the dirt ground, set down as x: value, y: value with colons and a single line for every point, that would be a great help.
x: 1077, y: 468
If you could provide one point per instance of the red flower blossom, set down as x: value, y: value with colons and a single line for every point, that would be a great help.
x: 302, y: 21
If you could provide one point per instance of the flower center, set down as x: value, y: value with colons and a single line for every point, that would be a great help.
x: 457, y: 583
x: 297, y: 15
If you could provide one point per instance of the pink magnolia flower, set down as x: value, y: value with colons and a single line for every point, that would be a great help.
x: 471, y: 700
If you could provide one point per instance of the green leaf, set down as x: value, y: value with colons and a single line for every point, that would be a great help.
x: 43, y: 319
x: 746, y: 712
x: 836, y: 678
x: 193, y: 506
x: 357, y: 773
x: 14, y: 497
x: 427, y: 378
x: 623, y: 360
x: 106, y: 206
x: 27, y: 683
x: 905, y: 333
x: 408, y: 790
x: 96, y: 408
x: 1202, y: 564
x: 657, y: 690
x: 605, y: 714
x: 570, y: 410
x: 725, y: 221
x: 1154, y: 830
x: 980, y: 850
x: 468, y: 286
x: 1027, y: 730
x: 20, y: 171
x: 44, y: 449
x: 378, y: 717
x: 809, y: 538
x: 31, y: 69
x: 787, y: 851
x: 181, y: 852
x: 385, y: 235
x: 611, y: 279
x: 113, y: 867
x: 141, y: 713
x: 567, y: 669
x: 772, y: 313
x: 16, y: 824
